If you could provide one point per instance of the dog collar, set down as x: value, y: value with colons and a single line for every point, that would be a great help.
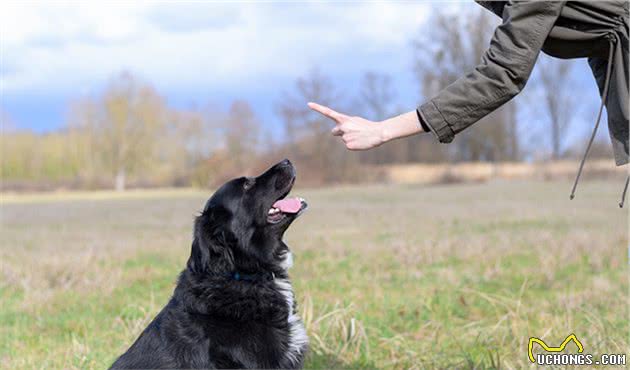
x: 261, y: 276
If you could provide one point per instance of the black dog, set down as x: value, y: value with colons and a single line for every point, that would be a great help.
x: 233, y: 306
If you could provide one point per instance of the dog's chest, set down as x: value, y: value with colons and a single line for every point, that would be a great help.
x: 298, y: 340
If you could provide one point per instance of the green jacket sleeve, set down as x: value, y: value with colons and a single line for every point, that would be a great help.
x: 502, y: 73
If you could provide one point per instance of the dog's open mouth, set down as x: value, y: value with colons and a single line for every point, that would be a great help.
x: 282, y: 208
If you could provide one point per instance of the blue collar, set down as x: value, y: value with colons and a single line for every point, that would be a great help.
x: 261, y: 276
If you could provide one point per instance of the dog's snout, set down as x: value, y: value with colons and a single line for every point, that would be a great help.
x: 284, y: 174
x: 285, y: 163
x: 286, y: 167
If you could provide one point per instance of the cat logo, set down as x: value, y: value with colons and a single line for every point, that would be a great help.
x: 560, y: 348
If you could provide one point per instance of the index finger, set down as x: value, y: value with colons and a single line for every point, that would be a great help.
x: 327, y: 111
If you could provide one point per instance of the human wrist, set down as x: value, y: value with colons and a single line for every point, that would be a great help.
x: 384, y: 131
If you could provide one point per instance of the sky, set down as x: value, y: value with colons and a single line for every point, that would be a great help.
x: 194, y: 53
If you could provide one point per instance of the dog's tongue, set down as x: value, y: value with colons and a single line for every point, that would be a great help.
x: 288, y: 205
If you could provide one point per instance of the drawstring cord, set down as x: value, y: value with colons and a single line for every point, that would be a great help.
x: 623, y: 195
x: 599, y: 116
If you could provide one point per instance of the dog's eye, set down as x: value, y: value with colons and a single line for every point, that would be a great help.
x: 248, y: 183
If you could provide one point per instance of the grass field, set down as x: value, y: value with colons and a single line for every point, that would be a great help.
x: 456, y: 276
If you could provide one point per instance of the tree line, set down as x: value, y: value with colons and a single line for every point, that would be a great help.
x: 129, y: 135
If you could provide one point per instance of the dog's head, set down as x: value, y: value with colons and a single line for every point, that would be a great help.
x: 242, y: 224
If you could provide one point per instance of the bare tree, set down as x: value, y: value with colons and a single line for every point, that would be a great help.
x: 124, y: 124
x: 83, y: 138
x: 308, y: 134
x: 241, y: 134
x: 449, y: 46
x: 187, y: 140
x: 377, y: 95
x: 557, y: 98
x: 376, y: 101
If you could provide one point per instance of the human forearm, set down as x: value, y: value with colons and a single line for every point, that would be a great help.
x: 504, y: 69
x: 404, y: 125
x: 358, y: 133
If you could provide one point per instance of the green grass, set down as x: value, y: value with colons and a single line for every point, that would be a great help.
x: 456, y: 276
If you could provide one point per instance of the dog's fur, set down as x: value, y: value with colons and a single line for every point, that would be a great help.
x: 216, y: 318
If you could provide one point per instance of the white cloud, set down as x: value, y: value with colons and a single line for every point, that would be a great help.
x: 25, y: 23
x: 75, y: 46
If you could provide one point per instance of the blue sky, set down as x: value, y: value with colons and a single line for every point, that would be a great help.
x: 195, y: 53
x: 201, y: 53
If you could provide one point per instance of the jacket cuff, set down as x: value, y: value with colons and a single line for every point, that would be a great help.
x: 438, y: 125
x: 425, y: 128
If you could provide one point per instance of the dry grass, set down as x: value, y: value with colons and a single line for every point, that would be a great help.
x: 484, y: 171
x: 456, y: 276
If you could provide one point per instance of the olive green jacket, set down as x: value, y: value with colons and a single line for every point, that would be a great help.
x: 572, y: 29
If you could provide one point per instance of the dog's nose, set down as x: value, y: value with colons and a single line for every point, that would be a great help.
x: 285, y: 162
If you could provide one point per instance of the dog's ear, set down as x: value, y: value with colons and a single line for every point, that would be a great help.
x: 199, y: 258
x: 212, y: 244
